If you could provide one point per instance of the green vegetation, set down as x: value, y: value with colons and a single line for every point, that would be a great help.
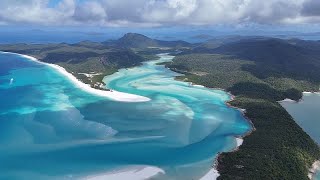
x: 283, y: 63
x: 99, y: 78
x: 226, y: 71
x: 149, y: 54
x: 211, y: 69
x: 278, y: 148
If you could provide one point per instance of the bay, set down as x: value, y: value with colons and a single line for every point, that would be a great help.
x: 51, y: 129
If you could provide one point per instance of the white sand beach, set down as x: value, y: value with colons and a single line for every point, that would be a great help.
x: 214, y: 173
x: 239, y: 142
x: 211, y: 175
x: 307, y: 93
x: 287, y: 100
x: 196, y: 85
x: 315, y: 166
x: 115, y: 95
x: 132, y: 173
x: 90, y: 75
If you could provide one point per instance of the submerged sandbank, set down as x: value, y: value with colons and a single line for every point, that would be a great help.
x: 115, y: 95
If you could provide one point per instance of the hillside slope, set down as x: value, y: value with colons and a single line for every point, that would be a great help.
x: 134, y: 40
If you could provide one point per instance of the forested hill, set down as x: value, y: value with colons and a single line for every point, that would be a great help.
x: 272, y: 57
x: 271, y: 50
x: 134, y: 40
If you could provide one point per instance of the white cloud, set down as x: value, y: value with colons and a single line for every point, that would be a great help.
x: 90, y: 12
x: 35, y: 11
x: 168, y: 11
x: 159, y: 12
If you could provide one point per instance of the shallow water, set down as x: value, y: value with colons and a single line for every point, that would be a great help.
x: 50, y: 129
x: 317, y: 175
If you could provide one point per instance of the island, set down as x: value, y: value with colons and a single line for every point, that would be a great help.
x: 257, y: 71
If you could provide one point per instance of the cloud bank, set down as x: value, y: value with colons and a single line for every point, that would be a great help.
x: 158, y: 12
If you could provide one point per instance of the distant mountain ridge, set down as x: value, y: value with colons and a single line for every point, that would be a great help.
x: 134, y: 40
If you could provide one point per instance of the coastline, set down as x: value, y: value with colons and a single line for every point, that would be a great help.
x: 211, y: 175
x: 316, y: 165
x: 288, y: 100
x: 214, y: 172
x: 314, y: 168
x: 132, y: 172
x: 114, y: 95
x: 306, y: 93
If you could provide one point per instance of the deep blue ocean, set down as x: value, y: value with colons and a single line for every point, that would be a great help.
x: 51, y: 129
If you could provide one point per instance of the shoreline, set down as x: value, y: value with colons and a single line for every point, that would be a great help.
x: 114, y: 95
x: 305, y: 93
x: 131, y: 172
x: 214, y: 172
x: 316, y: 165
x: 288, y: 100
x: 220, y: 156
x: 313, y: 169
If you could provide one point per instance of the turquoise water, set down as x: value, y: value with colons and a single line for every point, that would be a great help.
x: 50, y: 129
x: 317, y: 175
x: 306, y: 113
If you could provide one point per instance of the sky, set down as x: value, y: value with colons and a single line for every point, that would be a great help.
x: 45, y: 21
x: 159, y: 13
